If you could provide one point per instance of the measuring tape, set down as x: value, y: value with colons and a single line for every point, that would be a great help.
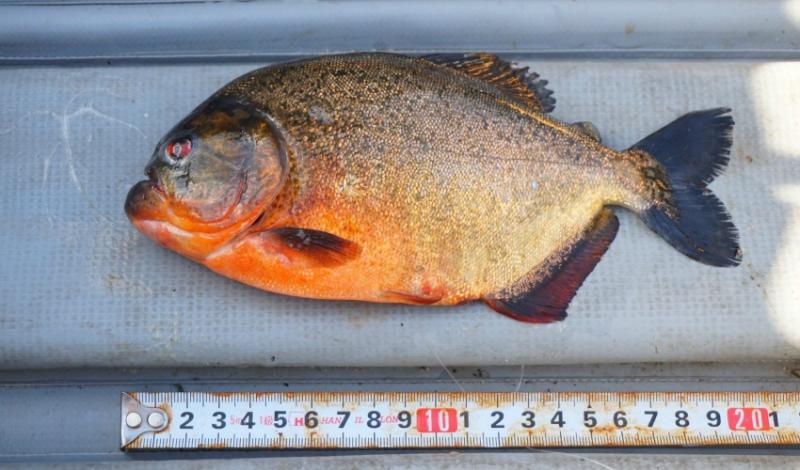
x: 247, y: 420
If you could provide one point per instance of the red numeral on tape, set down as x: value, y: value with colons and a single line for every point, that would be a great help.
x: 748, y: 419
x: 436, y: 420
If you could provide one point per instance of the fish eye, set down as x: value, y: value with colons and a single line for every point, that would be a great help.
x: 179, y: 148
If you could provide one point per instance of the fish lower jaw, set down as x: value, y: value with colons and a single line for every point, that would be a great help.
x: 152, y: 228
x: 174, y: 238
x: 224, y: 250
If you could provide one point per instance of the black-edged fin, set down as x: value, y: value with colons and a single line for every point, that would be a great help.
x: 310, y: 248
x: 588, y: 129
x: 543, y: 295
x: 520, y: 83
x: 693, y: 150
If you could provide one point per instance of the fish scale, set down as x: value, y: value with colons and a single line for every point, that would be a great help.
x: 448, y: 232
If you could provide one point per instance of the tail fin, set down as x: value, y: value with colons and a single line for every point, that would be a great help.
x: 693, y: 150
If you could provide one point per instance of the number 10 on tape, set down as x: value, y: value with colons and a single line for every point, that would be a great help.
x: 208, y: 420
x: 437, y: 420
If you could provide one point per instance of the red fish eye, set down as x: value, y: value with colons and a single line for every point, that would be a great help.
x: 180, y: 148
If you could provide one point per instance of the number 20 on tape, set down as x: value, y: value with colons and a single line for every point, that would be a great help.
x: 748, y: 419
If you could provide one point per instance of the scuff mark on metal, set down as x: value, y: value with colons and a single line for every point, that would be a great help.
x: 521, y: 377
x: 64, y: 118
x: 449, y: 374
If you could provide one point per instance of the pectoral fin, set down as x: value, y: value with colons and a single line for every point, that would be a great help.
x: 406, y: 298
x: 543, y: 295
x: 310, y: 248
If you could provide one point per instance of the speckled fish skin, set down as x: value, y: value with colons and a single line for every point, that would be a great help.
x: 439, y: 178
x: 429, y: 186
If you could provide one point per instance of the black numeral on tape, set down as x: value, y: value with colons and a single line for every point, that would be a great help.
x: 220, y: 423
x: 189, y: 417
x: 498, y: 422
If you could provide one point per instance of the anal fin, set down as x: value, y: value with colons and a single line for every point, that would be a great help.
x: 544, y: 294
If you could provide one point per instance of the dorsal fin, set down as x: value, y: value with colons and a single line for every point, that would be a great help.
x: 520, y: 83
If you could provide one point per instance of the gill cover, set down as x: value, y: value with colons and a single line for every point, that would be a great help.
x: 211, y: 176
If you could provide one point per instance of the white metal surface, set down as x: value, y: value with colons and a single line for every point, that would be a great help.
x: 88, y: 30
x: 81, y: 287
x: 78, y: 287
x: 363, y: 420
x: 37, y: 406
x: 543, y: 459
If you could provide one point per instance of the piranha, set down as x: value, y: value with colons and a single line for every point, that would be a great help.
x: 430, y: 180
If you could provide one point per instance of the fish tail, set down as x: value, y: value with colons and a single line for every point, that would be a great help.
x: 691, y: 151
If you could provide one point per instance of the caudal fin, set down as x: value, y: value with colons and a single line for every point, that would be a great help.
x: 693, y: 150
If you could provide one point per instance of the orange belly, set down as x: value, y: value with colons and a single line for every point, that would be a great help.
x: 376, y: 275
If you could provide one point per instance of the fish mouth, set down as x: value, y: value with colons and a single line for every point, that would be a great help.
x: 146, y: 201
x: 148, y: 209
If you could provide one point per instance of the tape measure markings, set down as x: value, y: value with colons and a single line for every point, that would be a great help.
x: 442, y: 420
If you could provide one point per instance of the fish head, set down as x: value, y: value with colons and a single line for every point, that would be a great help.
x: 210, y: 177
